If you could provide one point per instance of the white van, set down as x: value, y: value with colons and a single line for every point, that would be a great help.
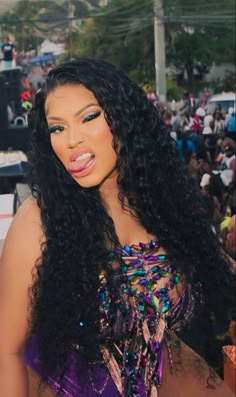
x: 225, y: 99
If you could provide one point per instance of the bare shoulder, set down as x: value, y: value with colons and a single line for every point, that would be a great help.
x: 28, y: 216
x: 29, y: 211
x: 21, y: 251
x: 25, y: 235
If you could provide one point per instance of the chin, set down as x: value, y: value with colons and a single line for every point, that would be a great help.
x: 88, y: 182
x: 95, y: 179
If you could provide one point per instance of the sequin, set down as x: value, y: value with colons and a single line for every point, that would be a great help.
x: 144, y: 331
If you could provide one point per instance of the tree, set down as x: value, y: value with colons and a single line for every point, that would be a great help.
x: 196, y: 35
x: 121, y: 33
x: 32, y: 21
x: 199, y: 33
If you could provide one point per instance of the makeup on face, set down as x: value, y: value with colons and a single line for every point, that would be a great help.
x: 80, y: 135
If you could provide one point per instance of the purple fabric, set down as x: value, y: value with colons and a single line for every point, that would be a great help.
x: 71, y: 386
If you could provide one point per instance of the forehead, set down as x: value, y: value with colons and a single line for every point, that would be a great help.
x: 68, y: 97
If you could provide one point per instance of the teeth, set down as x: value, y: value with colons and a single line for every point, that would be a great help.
x: 83, y: 156
x: 90, y: 162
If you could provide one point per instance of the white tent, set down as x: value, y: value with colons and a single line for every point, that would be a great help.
x: 49, y: 47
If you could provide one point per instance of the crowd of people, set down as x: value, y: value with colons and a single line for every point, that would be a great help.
x: 206, y: 144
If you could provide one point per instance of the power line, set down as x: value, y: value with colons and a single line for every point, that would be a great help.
x: 148, y: 17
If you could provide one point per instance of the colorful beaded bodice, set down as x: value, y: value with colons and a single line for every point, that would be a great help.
x: 144, y: 313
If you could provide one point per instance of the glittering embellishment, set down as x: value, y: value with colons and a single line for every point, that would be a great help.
x: 143, y: 311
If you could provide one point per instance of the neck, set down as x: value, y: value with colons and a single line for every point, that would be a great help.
x: 128, y: 229
x: 109, y: 190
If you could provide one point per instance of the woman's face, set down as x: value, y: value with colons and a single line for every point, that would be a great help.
x: 80, y: 135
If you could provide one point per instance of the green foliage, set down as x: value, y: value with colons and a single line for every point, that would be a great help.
x: 197, y: 33
x: 174, y: 90
x: 122, y: 32
x: 226, y: 84
x: 30, y: 22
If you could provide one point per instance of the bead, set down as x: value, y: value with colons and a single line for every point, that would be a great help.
x: 165, y: 299
x: 155, y: 346
x: 141, y: 307
x: 102, y: 295
x: 165, y: 308
x: 154, y: 269
x: 127, y: 250
x: 161, y: 257
x: 143, y: 281
x: 138, y: 275
x: 177, y: 343
x: 155, y: 302
x: 163, y: 273
x: 153, y: 244
x: 140, y: 272
x: 142, y: 246
x: 151, y: 258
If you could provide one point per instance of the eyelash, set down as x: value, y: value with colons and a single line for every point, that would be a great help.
x: 55, y: 129
x: 91, y: 116
x: 60, y: 128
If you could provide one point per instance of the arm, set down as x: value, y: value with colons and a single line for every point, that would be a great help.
x: 21, y: 249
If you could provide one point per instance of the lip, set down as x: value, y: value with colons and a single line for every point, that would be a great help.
x: 84, y: 171
x: 78, y: 153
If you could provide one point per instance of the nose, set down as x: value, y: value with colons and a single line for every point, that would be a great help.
x: 75, y: 136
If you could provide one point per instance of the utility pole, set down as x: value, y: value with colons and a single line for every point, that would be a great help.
x: 160, y: 54
x: 70, y: 15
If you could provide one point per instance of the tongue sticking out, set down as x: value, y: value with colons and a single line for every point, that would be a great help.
x: 80, y: 165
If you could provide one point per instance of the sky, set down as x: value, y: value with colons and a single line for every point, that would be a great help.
x: 6, y: 5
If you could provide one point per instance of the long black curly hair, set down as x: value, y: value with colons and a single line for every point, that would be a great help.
x: 78, y: 229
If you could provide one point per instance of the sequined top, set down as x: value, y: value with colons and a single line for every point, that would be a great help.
x: 152, y: 300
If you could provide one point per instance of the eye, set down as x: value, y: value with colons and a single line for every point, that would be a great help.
x: 91, y: 116
x: 55, y: 129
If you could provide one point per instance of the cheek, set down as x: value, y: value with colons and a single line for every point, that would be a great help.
x: 103, y: 140
x: 102, y: 134
x: 57, y: 147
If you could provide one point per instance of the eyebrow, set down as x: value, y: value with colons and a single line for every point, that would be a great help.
x: 77, y: 113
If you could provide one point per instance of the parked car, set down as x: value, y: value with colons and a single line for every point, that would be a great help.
x: 225, y: 99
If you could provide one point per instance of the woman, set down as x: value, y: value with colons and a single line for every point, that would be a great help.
x: 106, y: 262
x: 185, y: 146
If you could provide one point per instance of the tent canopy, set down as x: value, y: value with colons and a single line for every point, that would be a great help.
x: 41, y: 59
x: 49, y: 47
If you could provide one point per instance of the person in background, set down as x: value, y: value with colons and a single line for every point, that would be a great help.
x: 185, y: 146
x: 211, y: 209
x: 167, y: 117
x: 231, y: 125
x: 230, y: 237
x: 199, y: 163
x: 196, y: 126
x: 219, y: 123
x: 197, y: 122
x: 111, y: 258
x: 228, y: 160
x: 208, y: 123
x: 7, y: 49
x: 186, y: 109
